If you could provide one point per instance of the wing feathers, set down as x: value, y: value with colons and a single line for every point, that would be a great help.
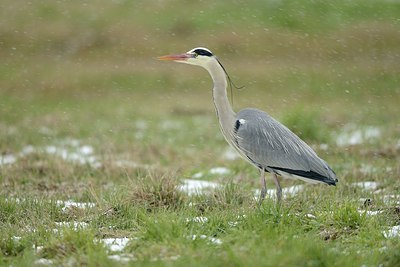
x: 270, y: 144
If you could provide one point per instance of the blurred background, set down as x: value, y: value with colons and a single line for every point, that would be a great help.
x: 89, y: 117
x: 87, y: 70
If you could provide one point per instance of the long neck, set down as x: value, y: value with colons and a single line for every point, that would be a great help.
x: 225, y: 114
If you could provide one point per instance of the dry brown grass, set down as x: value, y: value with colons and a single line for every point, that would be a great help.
x: 156, y: 190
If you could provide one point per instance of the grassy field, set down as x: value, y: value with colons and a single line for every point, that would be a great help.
x: 98, y: 139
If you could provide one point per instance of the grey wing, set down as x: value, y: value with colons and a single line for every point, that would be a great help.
x: 270, y: 145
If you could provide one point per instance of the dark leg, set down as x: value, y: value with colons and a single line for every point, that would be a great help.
x: 278, y: 187
x: 263, y: 186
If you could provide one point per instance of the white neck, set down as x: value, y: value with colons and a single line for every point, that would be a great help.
x: 225, y: 114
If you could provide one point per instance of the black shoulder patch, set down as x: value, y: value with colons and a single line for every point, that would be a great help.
x: 237, y: 126
x: 202, y: 52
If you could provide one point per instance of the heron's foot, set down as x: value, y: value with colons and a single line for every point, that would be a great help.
x: 278, y: 188
x: 279, y: 196
x: 262, y: 195
x: 263, y: 187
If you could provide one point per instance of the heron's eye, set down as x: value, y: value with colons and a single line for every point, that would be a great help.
x: 195, y: 55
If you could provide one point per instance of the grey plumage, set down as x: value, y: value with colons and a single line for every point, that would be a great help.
x: 271, y: 146
x: 260, y: 139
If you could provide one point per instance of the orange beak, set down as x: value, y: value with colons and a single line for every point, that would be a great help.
x: 180, y: 57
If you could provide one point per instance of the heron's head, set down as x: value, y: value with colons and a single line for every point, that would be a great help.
x: 199, y: 56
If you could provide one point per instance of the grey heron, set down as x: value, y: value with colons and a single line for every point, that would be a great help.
x: 260, y: 139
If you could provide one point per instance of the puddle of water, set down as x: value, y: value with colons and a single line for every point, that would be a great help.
x: 367, y: 185
x: 197, y: 219
x: 116, y: 244
x: 392, y: 232
x: 354, y: 135
x: 192, y: 187
x: 286, y: 191
x: 7, y: 159
x: 219, y: 171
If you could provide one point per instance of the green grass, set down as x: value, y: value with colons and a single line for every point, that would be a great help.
x: 79, y: 82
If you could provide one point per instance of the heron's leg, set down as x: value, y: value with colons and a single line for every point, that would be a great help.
x: 263, y: 186
x: 278, y: 187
